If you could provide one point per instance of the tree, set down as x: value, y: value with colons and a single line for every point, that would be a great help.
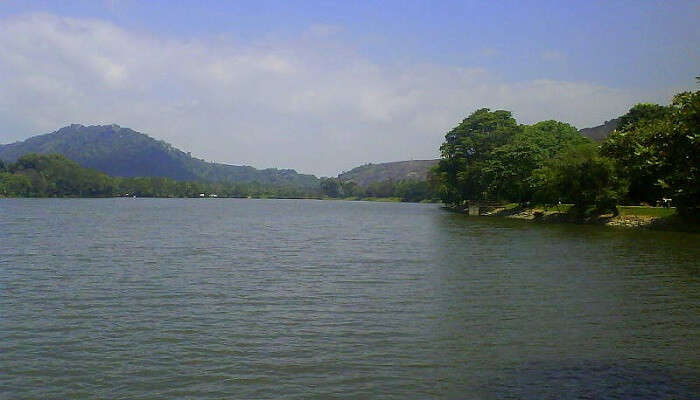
x: 489, y: 157
x: 657, y: 150
x: 636, y: 159
x: 579, y: 175
x: 331, y: 187
x: 351, y: 189
x: 413, y: 190
x: 641, y: 113
x: 465, y: 150
x: 380, y: 189
x: 509, y: 169
x: 679, y: 149
x: 15, y: 185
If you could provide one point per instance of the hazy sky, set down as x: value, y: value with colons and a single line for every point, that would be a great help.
x: 325, y: 86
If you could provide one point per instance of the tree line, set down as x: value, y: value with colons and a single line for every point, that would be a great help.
x: 410, y: 190
x: 53, y: 175
x: 651, y: 156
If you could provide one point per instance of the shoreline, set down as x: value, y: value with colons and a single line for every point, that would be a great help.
x: 627, y: 219
x: 630, y: 217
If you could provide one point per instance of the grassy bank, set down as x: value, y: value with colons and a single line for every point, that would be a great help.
x: 656, y: 212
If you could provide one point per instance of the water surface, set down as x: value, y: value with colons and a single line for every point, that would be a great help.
x: 224, y: 298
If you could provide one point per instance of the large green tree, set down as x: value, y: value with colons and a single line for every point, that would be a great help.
x: 579, y: 175
x: 656, y: 148
x: 490, y: 157
x: 509, y: 169
x: 636, y: 159
x: 679, y: 148
x: 466, y: 150
x: 15, y: 185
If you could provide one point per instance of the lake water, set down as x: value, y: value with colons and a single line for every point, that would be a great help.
x: 297, y: 299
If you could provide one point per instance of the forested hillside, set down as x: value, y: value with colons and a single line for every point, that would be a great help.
x: 124, y: 152
x: 53, y: 175
x: 391, y: 171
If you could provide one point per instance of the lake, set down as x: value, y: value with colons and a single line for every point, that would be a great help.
x: 297, y: 299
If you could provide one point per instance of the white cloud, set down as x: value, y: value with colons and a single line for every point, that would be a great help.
x: 310, y: 104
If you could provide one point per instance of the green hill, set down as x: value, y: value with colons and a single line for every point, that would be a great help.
x: 392, y: 171
x: 124, y: 152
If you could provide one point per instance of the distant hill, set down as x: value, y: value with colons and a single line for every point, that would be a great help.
x: 600, y: 132
x: 395, y: 171
x: 124, y: 152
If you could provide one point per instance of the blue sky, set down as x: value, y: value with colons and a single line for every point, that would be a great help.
x: 323, y: 86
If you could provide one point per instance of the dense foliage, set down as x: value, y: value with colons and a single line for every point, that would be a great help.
x: 411, y: 190
x: 580, y: 175
x: 53, y: 175
x: 657, y: 150
x: 652, y: 154
x: 489, y: 157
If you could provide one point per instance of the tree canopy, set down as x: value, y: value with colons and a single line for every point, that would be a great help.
x: 467, y: 149
x: 656, y: 149
x: 580, y: 176
x: 653, y: 153
x: 490, y: 157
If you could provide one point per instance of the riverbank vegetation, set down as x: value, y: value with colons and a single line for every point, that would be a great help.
x: 651, y: 158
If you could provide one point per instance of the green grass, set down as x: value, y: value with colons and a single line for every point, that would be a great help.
x: 658, y: 212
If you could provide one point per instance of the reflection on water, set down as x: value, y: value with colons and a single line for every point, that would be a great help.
x: 157, y: 298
